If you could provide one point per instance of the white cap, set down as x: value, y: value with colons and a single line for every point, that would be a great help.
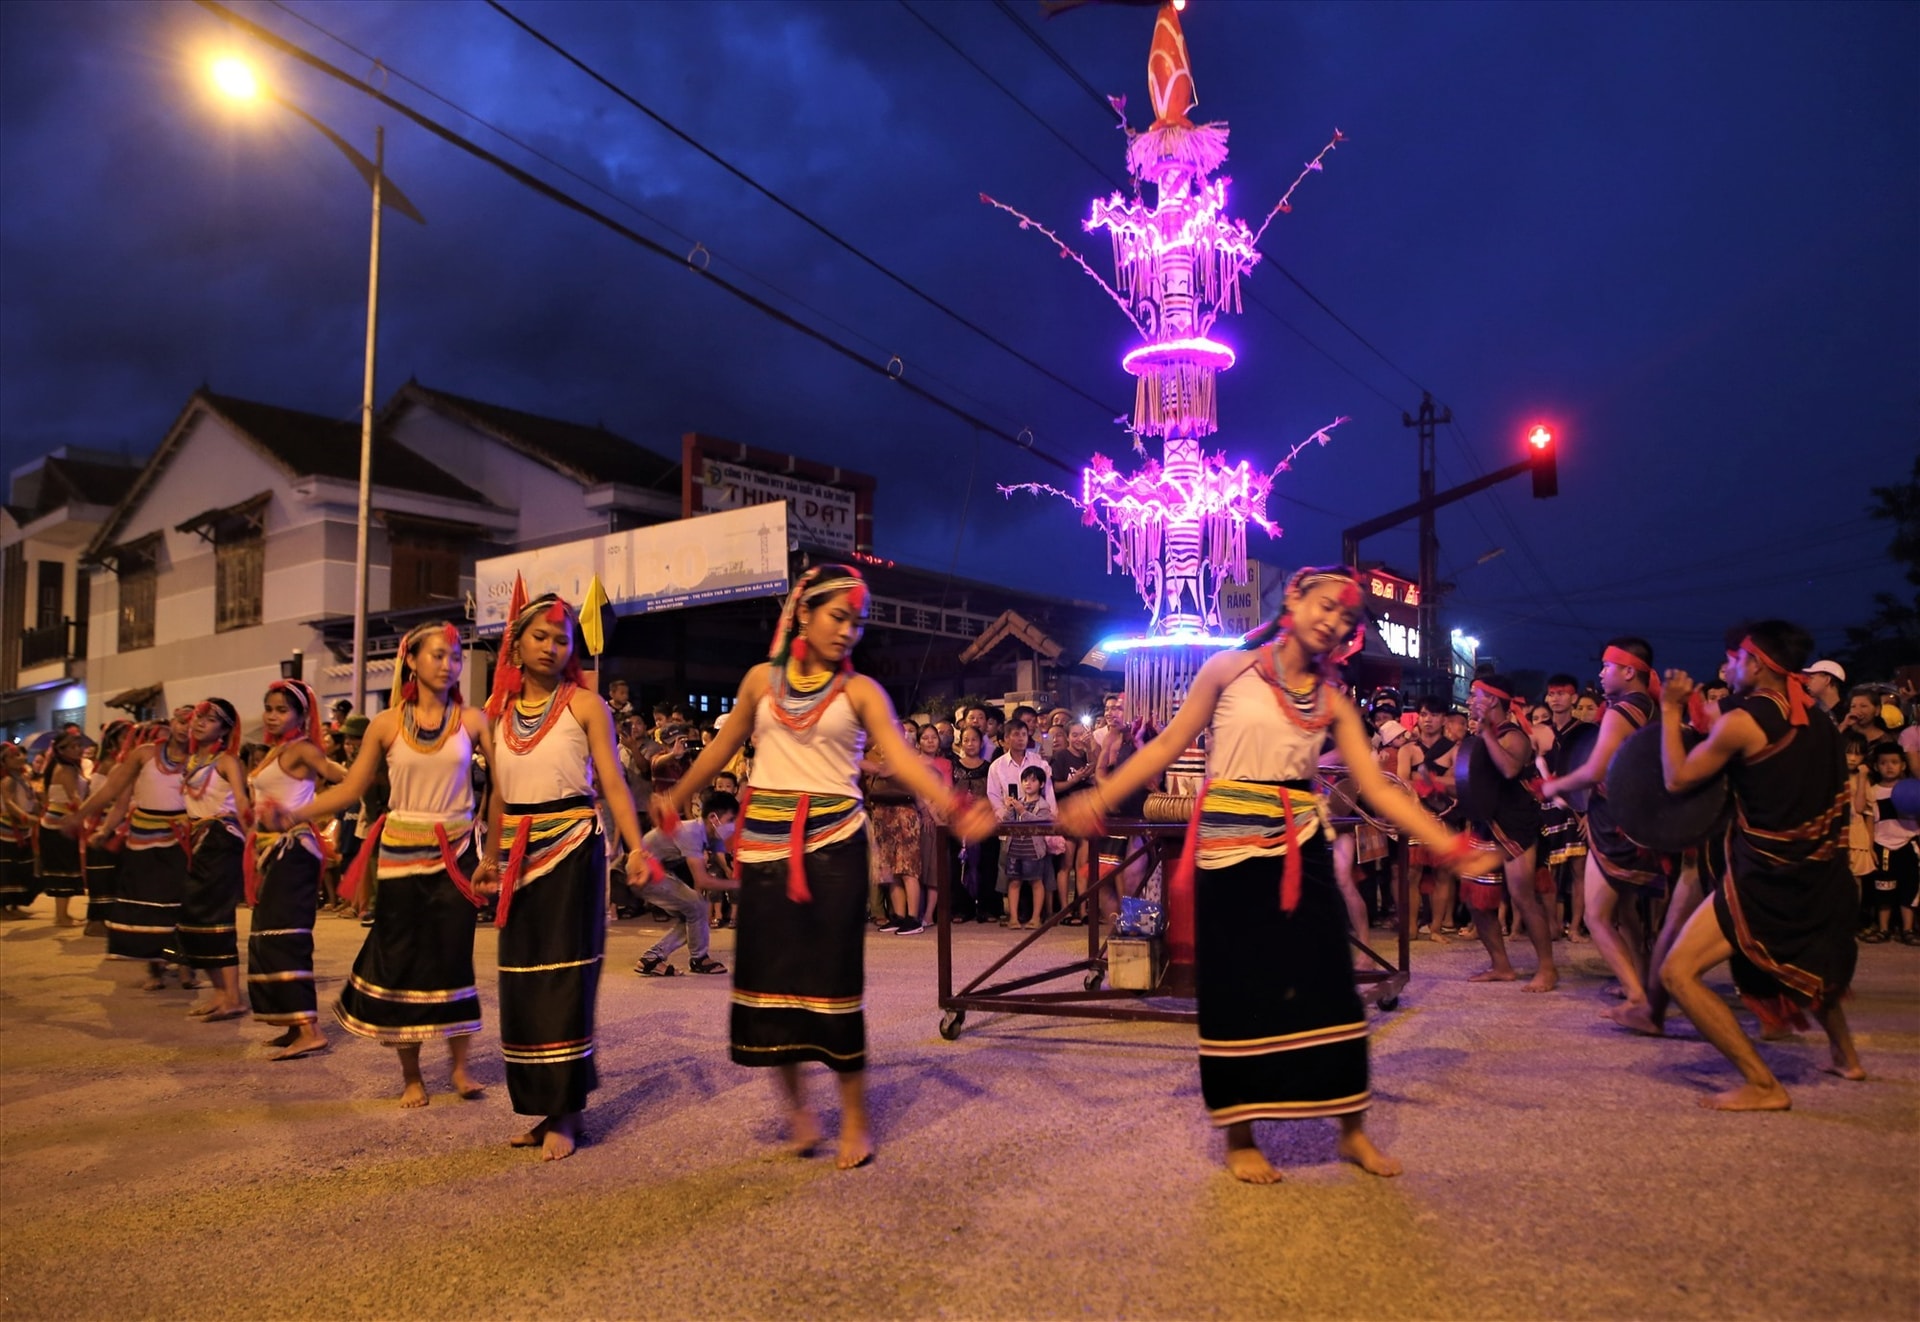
x: 1832, y: 668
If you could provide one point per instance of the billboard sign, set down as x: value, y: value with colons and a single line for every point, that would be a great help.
x: 818, y: 515
x: 690, y: 562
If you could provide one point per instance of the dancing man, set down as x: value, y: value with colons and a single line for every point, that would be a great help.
x: 1618, y: 868
x: 413, y: 979
x: 1784, y: 914
x: 1505, y: 819
x: 547, y: 862
x: 799, y: 970
x: 1283, y: 1032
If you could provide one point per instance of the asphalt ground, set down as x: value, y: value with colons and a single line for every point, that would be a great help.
x: 156, y: 1166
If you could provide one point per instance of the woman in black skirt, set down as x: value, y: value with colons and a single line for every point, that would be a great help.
x: 413, y: 980
x: 554, y: 753
x: 108, y: 836
x: 799, y: 971
x: 1283, y: 1032
x: 57, y: 865
x: 214, y: 788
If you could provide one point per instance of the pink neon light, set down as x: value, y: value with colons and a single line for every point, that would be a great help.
x: 1196, y: 349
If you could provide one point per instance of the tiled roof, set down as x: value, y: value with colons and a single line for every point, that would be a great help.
x: 86, y: 482
x: 589, y: 455
x: 308, y: 445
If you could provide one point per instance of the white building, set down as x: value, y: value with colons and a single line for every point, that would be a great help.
x: 233, y: 550
x: 55, y: 506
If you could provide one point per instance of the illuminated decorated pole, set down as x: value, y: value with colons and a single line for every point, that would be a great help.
x: 1178, y: 525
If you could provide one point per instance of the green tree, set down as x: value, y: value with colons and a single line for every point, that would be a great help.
x: 1891, y: 637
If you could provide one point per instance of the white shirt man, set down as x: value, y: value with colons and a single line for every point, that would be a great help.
x: 1003, y: 776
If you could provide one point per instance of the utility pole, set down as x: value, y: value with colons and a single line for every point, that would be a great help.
x: 1436, y: 660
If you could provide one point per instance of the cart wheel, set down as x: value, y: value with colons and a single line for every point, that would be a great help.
x: 1093, y: 980
x: 951, y: 1022
x: 1389, y: 1002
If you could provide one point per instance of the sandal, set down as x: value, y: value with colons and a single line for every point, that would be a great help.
x: 705, y: 966
x: 655, y: 968
x: 1874, y: 938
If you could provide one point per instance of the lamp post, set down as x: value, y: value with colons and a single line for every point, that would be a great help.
x: 236, y: 80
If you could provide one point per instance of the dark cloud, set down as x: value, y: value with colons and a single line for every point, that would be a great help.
x: 1683, y: 232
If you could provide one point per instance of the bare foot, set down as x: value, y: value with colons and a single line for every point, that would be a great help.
x: 856, y: 1149
x: 306, y: 1041
x: 66, y: 922
x: 1543, y: 980
x: 1748, y: 1097
x: 1575, y: 937
x: 199, y: 1008
x: 283, y: 1039
x: 1495, y: 975
x: 803, y: 1134
x: 1845, y: 1063
x: 1250, y: 1166
x: 413, y: 1096
x: 1634, y: 1018
x: 533, y: 1138
x: 1359, y: 1149
x: 1439, y: 940
x: 467, y: 1087
x: 559, y: 1142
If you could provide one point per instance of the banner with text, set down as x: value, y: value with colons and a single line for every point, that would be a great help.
x: 818, y: 515
x: 689, y: 562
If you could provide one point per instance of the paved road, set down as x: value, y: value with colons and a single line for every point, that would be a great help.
x: 1036, y: 1168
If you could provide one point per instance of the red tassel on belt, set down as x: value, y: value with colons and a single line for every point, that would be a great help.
x: 511, y: 873
x: 350, y: 884
x: 1290, y: 870
x: 1190, y: 851
x: 451, y: 862
x: 250, y: 873
x: 746, y: 797
x: 797, y: 889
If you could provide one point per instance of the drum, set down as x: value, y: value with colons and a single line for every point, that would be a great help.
x: 1344, y: 803
x: 1161, y: 807
x: 1647, y: 811
x: 1575, y: 749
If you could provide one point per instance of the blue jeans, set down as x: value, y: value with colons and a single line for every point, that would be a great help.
x: 689, y: 912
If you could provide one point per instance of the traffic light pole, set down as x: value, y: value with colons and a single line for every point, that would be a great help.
x: 1429, y: 612
x: 1424, y: 509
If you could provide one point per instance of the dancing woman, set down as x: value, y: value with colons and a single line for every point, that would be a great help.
x: 283, y: 871
x: 153, y: 866
x: 214, y: 789
x: 19, y: 810
x: 1283, y: 1033
x: 57, y: 863
x: 413, y: 980
x: 101, y: 857
x: 799, y: 969
x: 547, y: 861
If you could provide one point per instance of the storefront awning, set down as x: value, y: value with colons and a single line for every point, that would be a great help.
x: 136, y: 699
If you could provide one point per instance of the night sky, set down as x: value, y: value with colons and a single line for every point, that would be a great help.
x: 1688, y: 235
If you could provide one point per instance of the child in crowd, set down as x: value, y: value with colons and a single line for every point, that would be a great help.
x: 1027, y: 855
x: 1895, y: 879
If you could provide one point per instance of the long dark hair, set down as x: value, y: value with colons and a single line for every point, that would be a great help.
x: 1282, y: 624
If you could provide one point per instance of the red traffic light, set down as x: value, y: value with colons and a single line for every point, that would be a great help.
x: 1544, y: 462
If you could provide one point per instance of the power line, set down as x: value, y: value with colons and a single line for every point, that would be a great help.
x: 1035, y: 115
x: 695, y: 244
x: 1047, y: 49
x: 1106, y: 409
x: 894, y: 370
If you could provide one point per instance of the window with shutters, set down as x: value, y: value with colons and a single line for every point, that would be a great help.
x: 138, y: 566
x: 425, y: 568
x: 239, y: 575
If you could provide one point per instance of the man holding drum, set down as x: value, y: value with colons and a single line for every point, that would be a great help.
x: 1784, y: 914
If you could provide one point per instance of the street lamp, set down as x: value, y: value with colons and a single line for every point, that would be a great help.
x: 235, y: 79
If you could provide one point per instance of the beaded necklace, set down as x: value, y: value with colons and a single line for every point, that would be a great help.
x: 1309, y: 710
x: 428, y: 741
x: 798, y: 706
x: 526, y: 728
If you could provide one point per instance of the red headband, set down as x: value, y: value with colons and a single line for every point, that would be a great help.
x: 1799, y: 702
x: 1516, y: 707
x: 1621, y: 657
